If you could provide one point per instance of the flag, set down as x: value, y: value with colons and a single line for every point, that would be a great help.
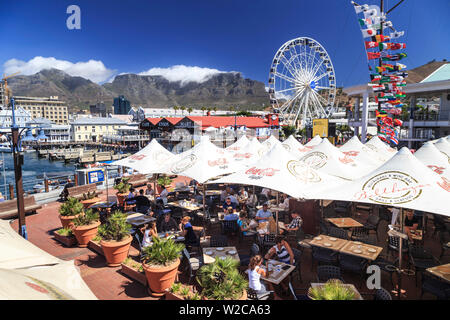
x: 396, y: 34
x: 370, y: 67
x: 368, y: 32
x: 397, y: 46
x: 400, y: 66
x: 402, y: 74
x: 398, y: 122
x: 386, y: 105
x: 395, y: 57
x: 394, y: 140
x: 365, y: 22
x: 380, y: 69
x: 380, y: 38
x: 373, y: 55
x: 370, y: 13
x: 370, y: 44
x: 359, y: 9
x: 375, y: 77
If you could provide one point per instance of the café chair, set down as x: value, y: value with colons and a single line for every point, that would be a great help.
x: 218, y: 241
x: 252, y: 295
x: 193, y: 263
x: 296, y: 295
x: 421, y: 259
x: 323, y: 255
x: 338, y: 233
x: 327, y: 272
x: 436, y: 287
x: 372, y: 224
x: 245, y: 259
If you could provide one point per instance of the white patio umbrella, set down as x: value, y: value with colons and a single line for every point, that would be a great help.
x: 249, y: 153
x: 314, y: 141
x: 328, y: 159
x: 29, y: 273
x: 210, y: 129
x: 241, y: 142
x: 280, y: 170
x: 381, y: 148
x: 270, y: 142
x: 147, y: 160
x: 403, y: 181
x: 354, y: 149
x: 444, y: 147
x: 294, y: 146
x: 430, y: 156
x: 203, y: 162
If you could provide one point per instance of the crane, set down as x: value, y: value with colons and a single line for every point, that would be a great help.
x: 8, y: 92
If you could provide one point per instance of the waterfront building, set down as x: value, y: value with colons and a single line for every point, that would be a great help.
x: 121, y: 105
x: 56, y: 133
x: 22, y: 117
x: 127, y: 135
x: 50, y: 108
x: 94, y: 128
x: 2, y: 95
x: 98, y: 109
x: 428, y: 90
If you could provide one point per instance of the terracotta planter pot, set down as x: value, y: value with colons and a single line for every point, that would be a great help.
x: 134, y: 274
x: 116, y: 251
x: 67, y: 241
x: 95, y: 245
x: 85, y: 233
x: 159, y: 189
x: 89, y: 202
x: 160, y: 278
x: 121, y: 198
x: 66, y: 221
x: 243, y: 297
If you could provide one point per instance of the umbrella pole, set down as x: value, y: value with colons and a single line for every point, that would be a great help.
x: 321, y: 208
x: 204, y: 209
x: 400, y: 248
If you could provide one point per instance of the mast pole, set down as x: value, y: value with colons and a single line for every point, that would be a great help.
x: 380, y: 61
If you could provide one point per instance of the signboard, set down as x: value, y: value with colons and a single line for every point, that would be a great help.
x: 96, y: 176
x: 320, y: 127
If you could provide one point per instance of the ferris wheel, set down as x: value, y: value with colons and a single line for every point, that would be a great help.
x: 302, y: 83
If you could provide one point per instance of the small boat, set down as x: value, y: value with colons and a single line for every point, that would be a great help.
x: 38, y: 188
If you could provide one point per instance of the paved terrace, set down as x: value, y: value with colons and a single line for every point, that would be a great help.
x: 109, y: 283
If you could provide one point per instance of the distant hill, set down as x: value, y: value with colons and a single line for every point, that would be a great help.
x: 221, y: 90
x: 420, y: 73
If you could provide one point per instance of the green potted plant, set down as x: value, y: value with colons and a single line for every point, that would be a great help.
x: 222, y: 280
x: 69, y: 210
x: 163, y: 181
x: 89, y: 199
x: 123, y: 188
x: 333, y: 289
x: 116, y: 238
x: 179, y: 291
x: 65, y: 236
x: 134, y: 270
x: 160, y: 262
x: 86, y: 225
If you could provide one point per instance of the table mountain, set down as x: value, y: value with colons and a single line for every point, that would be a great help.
x: 221, y: 90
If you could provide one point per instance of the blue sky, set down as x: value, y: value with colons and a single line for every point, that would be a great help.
x: 135, y: 36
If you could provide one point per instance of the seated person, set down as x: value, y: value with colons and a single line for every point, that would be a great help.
x: 168, y: 223
x: 231, y: 215
x: 65, y: 193
x: 282, y: 250
x: 251, y: 200
x: 265, y: 192
x: 263, y: 214
x: 187, y: 231
x: 163, y: 195
x: 142, y: 202
x: 244, y: 224
x: 149, y: 232
x: 130, y: 196
x: 285, y: 202
x: 227, y: 204
x: 295, y: 224
x: 243, y: 195
x: 233, y: 198
x: 224, y: 194
x: 411, y: 222
x: 254, y: 276
x: 149, y: 191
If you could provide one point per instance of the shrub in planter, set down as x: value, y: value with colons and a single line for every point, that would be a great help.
x: 86, y: 225
x: 134, y: 270
x: 65, y: 236
x: 163, y: 181
x: 179, y: 291
x: 333, y: 289
x: 89, y: 199
x: 69, y: 210
x: 116, y: 238
x: 160, y: 262
x: 221, y: 280
x: 123, y: 188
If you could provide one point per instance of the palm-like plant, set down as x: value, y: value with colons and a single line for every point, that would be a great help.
x: 182, y: 108
x: 332, y: 290
x: 116, y: 227
x: 163, y: 252
x: 221, y: 280
x: 86, y: 218
x: 189, y: 110
x: 71, y: 207
x: 175, y: 108
x: 123, y: 186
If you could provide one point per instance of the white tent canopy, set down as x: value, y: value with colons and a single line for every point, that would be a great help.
x: 249, y: 153
x: 444, y: 147
x: 210, y: 129
x: 241, y: 142
x: 430, y: 156
x: 355, y: 150
x: 403, y: 181
x: 294, y: 146
x: 203, y: 162
x: 281, y: 171
x: 27, y: 272
x: 381, y: 148
x: 314, y: 141
x: 328, y: 159
x: 147, y: 160
x: 270, y: 142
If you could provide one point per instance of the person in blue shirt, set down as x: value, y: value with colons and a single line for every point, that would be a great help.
x: 187, y: 231
x: 243, y: 223
x: 231, y: 215
x: 130, y: 196
x: 228, y: 204
x: 263, y: 214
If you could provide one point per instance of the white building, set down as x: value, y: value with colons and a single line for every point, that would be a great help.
x: 22, y: 117
x: 55, y: 132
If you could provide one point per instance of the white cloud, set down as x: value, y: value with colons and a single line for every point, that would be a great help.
x: 183, y: 73
x: 93, y: 70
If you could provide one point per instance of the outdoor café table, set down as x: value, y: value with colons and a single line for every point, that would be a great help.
x: 139, y: 220
x: 176, y: 236
x: 328, y: 242
x: 102, y: 205
x: 345, y: 222
x: 185, y: 205
x: 211, y: 253
x: 279, y: 271
x: 363, y: 250
x: 348, y: 285
x: 212, y: 192
x: 417, y: 235
x: 442, y: 271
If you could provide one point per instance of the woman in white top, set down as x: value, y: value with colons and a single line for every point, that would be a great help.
x: 164, y: 193
x: 254, y: 275
x: 149, y: 233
